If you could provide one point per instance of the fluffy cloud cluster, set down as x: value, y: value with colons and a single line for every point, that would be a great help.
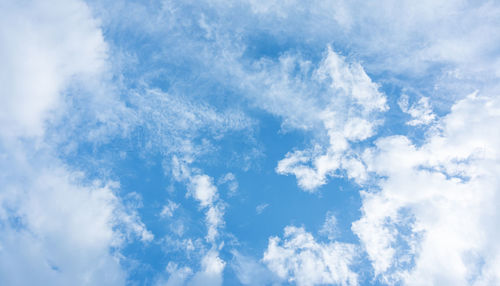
x: 348, y: 114
x: 65, y: 230
x: 304, y: 261
x: 55, y: 222
x: 43, y: 51
x: 437, y: 229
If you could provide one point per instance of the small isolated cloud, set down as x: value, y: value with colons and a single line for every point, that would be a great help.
x: 168, y: 209
x: 230, y: 180
x: 260, y: 208
x: 203, y: 189
x: 330, y: 227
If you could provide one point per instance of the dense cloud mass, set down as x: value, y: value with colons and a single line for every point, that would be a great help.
x: 216, y: 142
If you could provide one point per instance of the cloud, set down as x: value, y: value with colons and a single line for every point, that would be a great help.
x: 56, y: 222
x: 211, y: 272
x: 168, y: 209
x: 261, y: 207
x: 436, y: 229
x: 230, y: 180
x: 429, y: 211
x: 58, y: 93
x: 178, y: 125
x: 300, y: 259
x: 43, y: 51
x: 62, y: 228
x: 250, y: 271
x: 330, y: 227
x: 177, y: 276
x: 420, y: 112
x: 203, y: 190
x: 409, y: 38
x: 348, y: 114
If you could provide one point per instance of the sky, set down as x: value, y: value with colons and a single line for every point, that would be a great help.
x: 252, y: 142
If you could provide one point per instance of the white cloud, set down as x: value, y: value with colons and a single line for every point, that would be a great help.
x: 415, y: 232
x: 250, y: 271
x: 261, y: 207
x: 349, y: 114
x: 203, y: 189
x: 308, y: 177
x: 214, y: 218
x: 409, y: 38
x: 60, y: 227
x: 168, y: 209
x: 352, y: 80
x: 420, y: 112
x: 175, y: 121
x: 43, y: 50
x: 330, y: 228
x: 212, y: 268
x: 63, y: 228
x: 431, y: 222
x: 230, y: 180
x: 302, y: 260
x: 177, y: 276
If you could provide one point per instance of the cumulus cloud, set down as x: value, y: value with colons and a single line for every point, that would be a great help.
x: 231, y: 181
x: 43, y: 51
x: 202, y: 188
x: 348, y: 114
x: 62, y: 228
x: 428, y: 211
x: 168, y: 209
x: 300, y: 259
x: 436, y: 230
x: 420, y: 112
x: 211, y: 271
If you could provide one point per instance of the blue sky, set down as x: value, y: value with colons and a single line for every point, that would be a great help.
x: 249, y: 142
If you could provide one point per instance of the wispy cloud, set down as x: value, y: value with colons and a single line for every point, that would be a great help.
x: 261, y: 207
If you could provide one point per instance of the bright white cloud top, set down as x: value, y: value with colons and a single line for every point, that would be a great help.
x: 217, y: 142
